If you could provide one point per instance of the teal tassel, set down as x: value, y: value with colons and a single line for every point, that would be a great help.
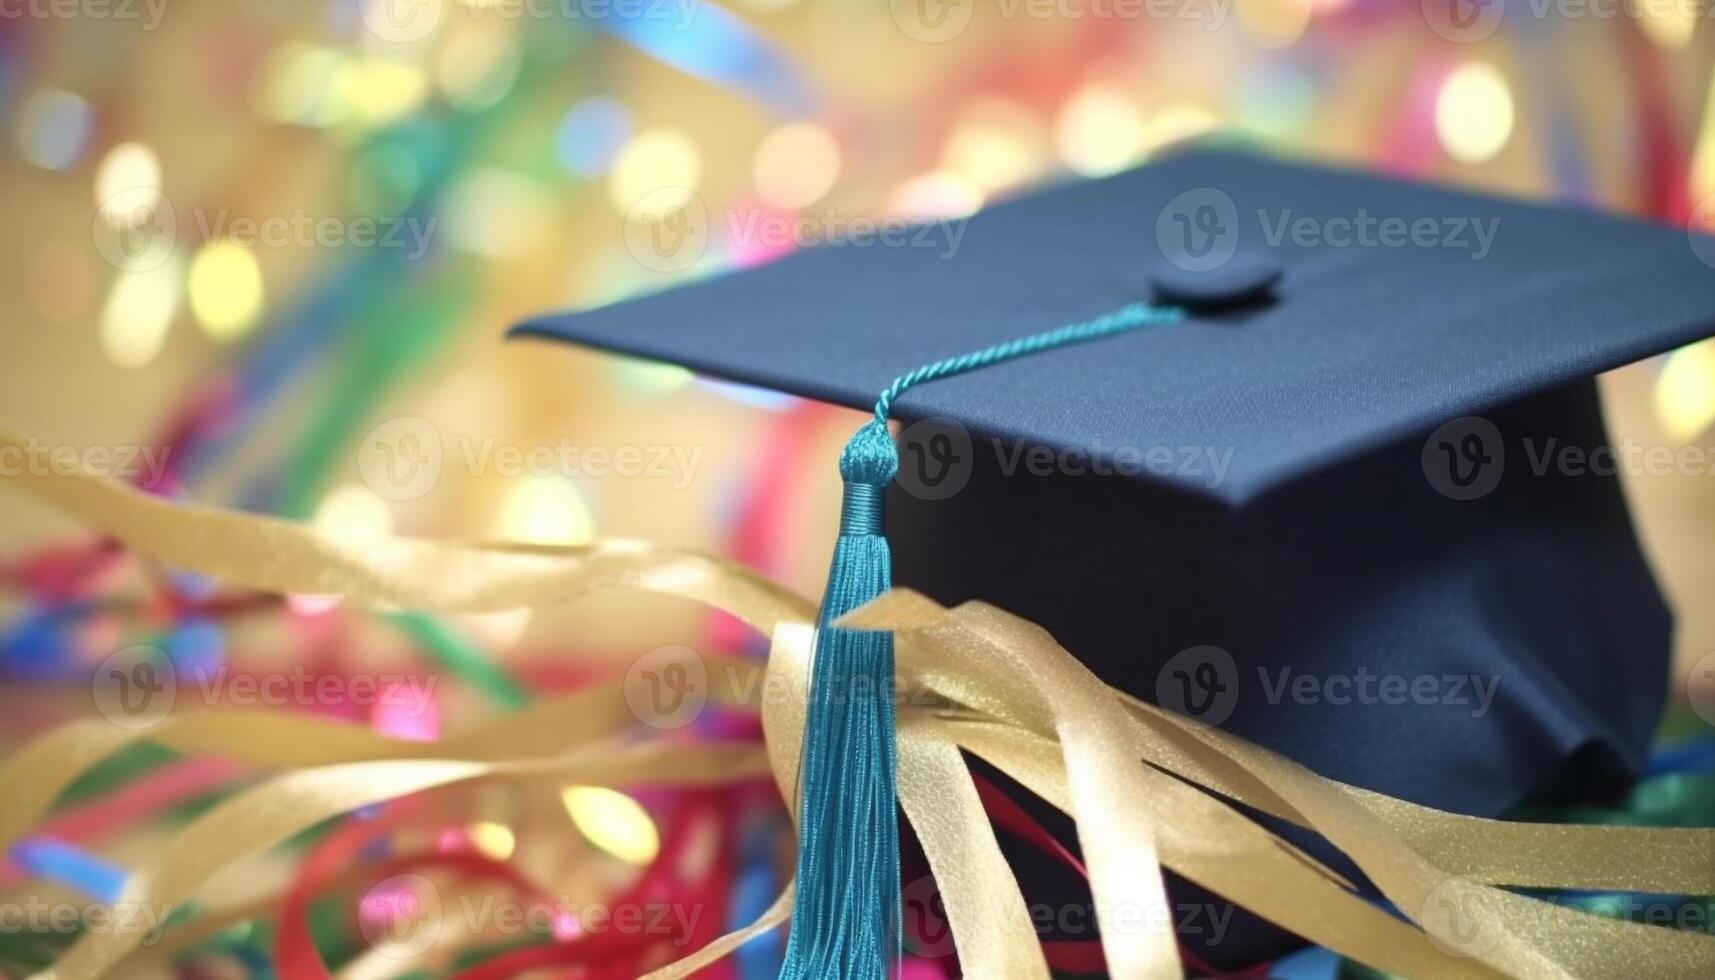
x: 845, y: 923
x: 845, y: 919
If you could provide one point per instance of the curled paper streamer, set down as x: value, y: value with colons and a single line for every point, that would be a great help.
x: 1148, y: 790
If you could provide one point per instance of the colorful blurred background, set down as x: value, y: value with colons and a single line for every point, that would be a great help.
x: 256, y: 233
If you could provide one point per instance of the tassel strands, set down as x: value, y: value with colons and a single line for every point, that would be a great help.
x: 846, y: 914
x: 846, y: 919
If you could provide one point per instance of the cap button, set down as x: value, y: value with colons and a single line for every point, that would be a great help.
x: 1245, y: 277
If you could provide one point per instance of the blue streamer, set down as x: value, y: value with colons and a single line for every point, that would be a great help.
x: 56, y: 860
x: 717, y: 46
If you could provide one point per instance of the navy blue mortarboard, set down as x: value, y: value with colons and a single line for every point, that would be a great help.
x: 1319, y: 506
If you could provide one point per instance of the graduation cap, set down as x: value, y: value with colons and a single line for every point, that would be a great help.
x: 1285, y: 459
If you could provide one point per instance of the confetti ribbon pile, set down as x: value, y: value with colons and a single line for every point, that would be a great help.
x: 1148, y: 790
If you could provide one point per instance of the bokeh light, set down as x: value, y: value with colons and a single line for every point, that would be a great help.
x: 1176, y: 123
x: 53, y: 128
x: 373, y: 91
x: 225, y: 289
x: 591, y: 134
x: 492, y: 840
x: 139, y: 309
x: 1669, y: 24
x: 1100, y: 130
x: 544, y: 508
x: 936, y: 195
x: 1275, y: 101
x: 614, y: 822
x: 796, y: 164
x: 477, y: 67
x: 1274, y: 23
x: 497, y: 213
x: 996, y: 144
x: 129, y: 176
x: 1474, y: 112
x: 659, y: 159
x: 295, y: 85
x: 352, y: 511
x: 1685, y: 391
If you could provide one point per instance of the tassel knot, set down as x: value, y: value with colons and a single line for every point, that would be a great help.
x: 870, y: 457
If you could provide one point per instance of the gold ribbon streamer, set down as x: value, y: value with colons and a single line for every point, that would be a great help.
x: 1514, y: 934
x: 259, y: 818
x: 1074, y: 741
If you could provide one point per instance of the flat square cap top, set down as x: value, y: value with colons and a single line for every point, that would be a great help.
x: 1397, y: 307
